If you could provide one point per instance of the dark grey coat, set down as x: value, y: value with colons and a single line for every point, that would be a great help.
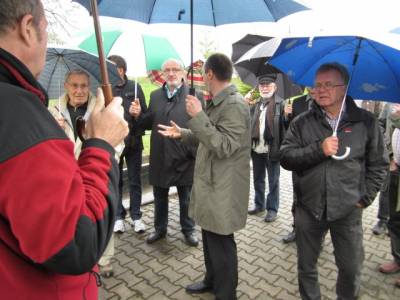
x: 171, y: 162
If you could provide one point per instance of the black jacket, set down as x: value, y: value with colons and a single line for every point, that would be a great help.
x: 278, y: 126
x: 335, y: 186
x: 127, y: 92
x: 171, y: 161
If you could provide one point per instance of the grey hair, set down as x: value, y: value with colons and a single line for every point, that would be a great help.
x: 177, y: 61
x: 341, y: 69
x: 12, y: 11
x: 76, y: 72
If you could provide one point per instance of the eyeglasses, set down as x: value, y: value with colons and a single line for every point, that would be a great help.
x: 173, y: 70
x: 82, y: 86
x: 326, y: 85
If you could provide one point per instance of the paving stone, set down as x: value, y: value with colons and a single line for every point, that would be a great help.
x: 267, y: 267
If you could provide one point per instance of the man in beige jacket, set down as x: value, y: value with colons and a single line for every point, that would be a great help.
x: 79, y: 101
x: 220, y: 192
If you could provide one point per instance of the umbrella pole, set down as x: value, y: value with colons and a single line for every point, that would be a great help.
x: 106, y: 86
x: 192, y: 90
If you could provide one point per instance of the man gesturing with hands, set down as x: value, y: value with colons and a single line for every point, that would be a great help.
x: 220, y: 192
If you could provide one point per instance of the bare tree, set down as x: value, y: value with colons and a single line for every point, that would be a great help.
x: 207, y: 45
x: 60, y: 15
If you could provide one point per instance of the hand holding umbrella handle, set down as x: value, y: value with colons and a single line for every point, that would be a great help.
x: 346, y: 153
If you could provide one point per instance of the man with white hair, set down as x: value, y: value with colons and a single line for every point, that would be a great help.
x: 267, y: 132
x: 171, y: 162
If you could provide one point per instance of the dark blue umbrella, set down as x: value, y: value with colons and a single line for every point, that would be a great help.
x: 205, y: 12
x: 59, y: 61
x: 374, y: 68
x: 201, y: 12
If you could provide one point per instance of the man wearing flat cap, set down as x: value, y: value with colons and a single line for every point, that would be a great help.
x: 267, y: 132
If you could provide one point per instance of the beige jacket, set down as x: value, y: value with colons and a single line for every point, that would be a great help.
x: 220, y: 192
x: 69, y: 129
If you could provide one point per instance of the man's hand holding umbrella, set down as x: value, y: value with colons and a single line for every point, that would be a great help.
x: 135, y: 109
x: 107, y: 123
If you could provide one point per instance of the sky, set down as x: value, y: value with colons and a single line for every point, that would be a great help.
x: 326, y: 17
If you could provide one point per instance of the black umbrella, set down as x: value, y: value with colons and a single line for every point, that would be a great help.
x: 250, y: 63
x: 243, y: 45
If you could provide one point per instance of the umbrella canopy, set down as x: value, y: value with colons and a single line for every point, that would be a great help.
x: 59, y: 61
x: 374, y: 68
x: 109, y: 38
x: 252, y: 64
x: 396, y: 30
x: 140, y: 51
x: 243, y: 45
x: 205, y: 12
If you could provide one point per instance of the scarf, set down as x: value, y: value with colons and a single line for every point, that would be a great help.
x: 255, y: 134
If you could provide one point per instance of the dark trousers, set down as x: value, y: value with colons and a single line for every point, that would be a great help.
x: 394, y: 220
x: 383, y: 209
x: 220, y: 258
x: 261, y: 162
x: 161, y: 209
x: 347, y: 239
x: 133, y: 157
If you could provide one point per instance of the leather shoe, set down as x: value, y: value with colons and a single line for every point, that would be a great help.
x: 255, y: 211
x: 271, y: 216
x: 198, y: 288
x: 291, y: 237
x: 155, y: 236
x: 389, y: 268
x: 191, y: 240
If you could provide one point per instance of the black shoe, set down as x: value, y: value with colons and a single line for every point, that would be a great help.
x: 191, y: 240
x: 291, y: 237
x: 155, y: 236
x: 379, y: 228
x: 271, y: 216
x: 198, y: 288
x: 255, y: 211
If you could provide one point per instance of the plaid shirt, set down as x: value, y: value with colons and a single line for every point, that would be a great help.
x: 333, y: 121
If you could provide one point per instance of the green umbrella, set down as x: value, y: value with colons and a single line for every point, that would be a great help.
x: 155, y: 49
x: 109, y: 38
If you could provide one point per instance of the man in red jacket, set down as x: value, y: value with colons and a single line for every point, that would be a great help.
x: 56, y: 213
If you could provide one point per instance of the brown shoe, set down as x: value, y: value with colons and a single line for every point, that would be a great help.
x: 389, y: 268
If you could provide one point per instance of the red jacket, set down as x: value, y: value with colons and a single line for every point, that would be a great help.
x: 56, y: 213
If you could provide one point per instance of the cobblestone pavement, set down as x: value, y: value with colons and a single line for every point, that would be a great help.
x: 267, y: 267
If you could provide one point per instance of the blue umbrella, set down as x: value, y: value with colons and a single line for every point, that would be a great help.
x: 205, y: 12
x: 201, y: 12
x: 396, y: 30
x: 374, y: 68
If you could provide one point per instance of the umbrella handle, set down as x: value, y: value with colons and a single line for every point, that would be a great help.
x: 107, y: 91
x: 192, y: 91
x: 342, y: 157
x: 346, y: 153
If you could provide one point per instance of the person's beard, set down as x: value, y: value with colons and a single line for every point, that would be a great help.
x: 267, y: 95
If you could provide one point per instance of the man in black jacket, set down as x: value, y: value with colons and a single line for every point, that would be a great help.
x: 294, y: 108
x: 332, y: 193
x: 267, y: 132
x: 132, y: 152
x: 171, y: 162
